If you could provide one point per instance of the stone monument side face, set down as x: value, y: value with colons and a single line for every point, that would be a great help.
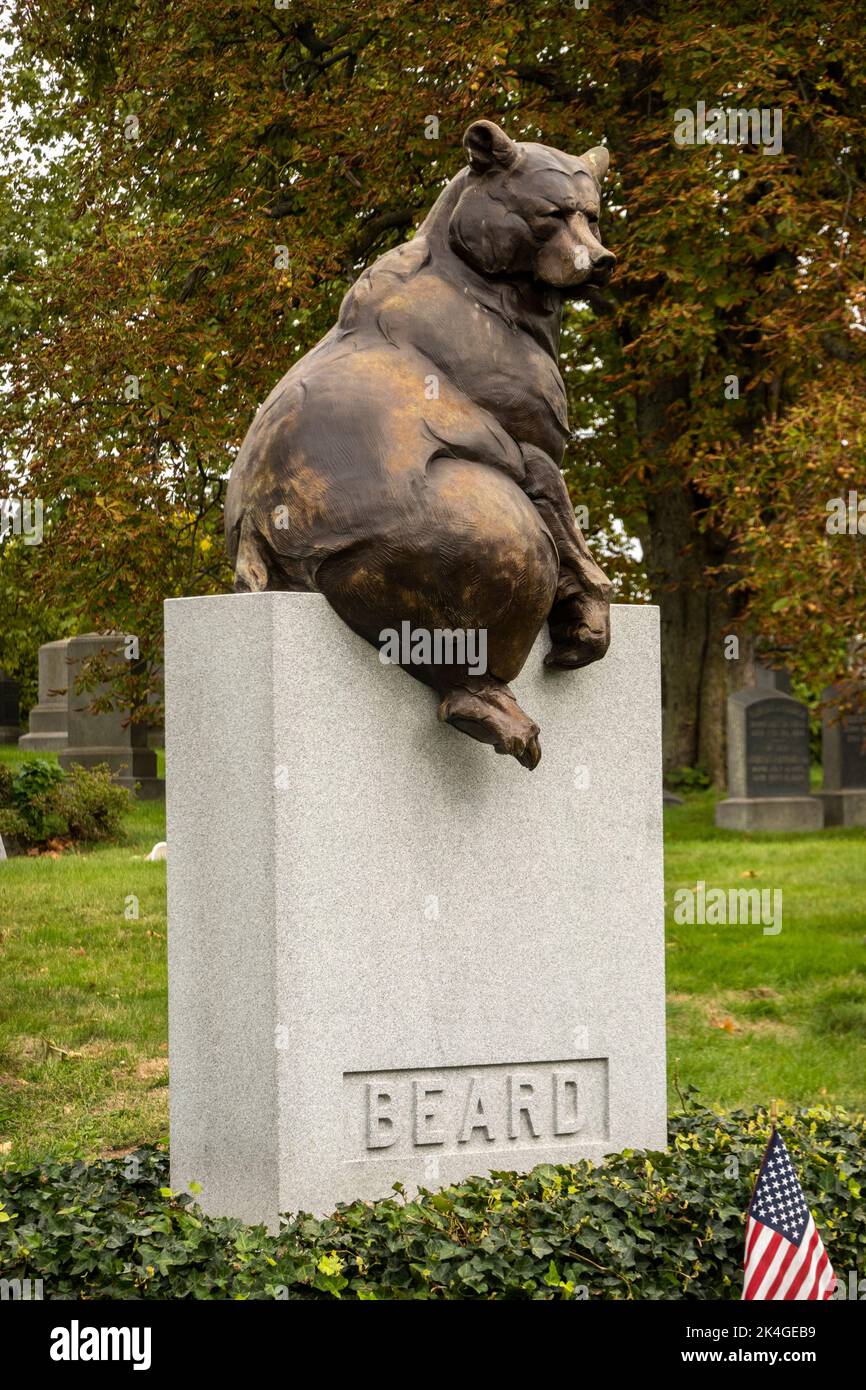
x: 54, y: 673
x: 768, y: 745
x: 222, y: 976
x: 843, y: 739
x: 390, y: 959
x: 48, y: 720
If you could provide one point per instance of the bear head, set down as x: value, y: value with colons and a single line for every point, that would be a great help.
x: 529, y: 210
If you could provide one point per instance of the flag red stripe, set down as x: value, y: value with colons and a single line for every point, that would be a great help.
x: 823, y: 1264
x: 802, y: 1267
x: 794, y: 1286
x: 782, y: 1271
x: 760, y: 1270
x: 755, y: 1231
x: 781, y: 1252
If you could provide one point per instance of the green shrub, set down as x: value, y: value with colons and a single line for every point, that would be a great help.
x: 666, y: 1225
x: 45, y: 802
x: 31, y: 799
x: 12, y: 823
x: 6, y: 780
x: 90, y: 804
x: 688, y: 779
x: 13, y: 826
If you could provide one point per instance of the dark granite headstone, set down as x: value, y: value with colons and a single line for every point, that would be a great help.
x: 768, y: 764
x: 843, y: 743
x: 10, y: 695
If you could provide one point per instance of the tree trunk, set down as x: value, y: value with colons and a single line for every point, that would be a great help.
x: 697, y: 614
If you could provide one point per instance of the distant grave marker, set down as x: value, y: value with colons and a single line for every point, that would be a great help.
x: 49, y: 717
x: 107, y: 737
x: 843, y: 743
x: 768, y: 762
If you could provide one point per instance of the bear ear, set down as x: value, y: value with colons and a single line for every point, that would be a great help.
x: 487, y: 147
x: 598, y: 159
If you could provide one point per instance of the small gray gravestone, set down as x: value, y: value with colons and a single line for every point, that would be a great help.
x: 49, y: 717
x: 10, y: 695
x: 769, y: 677
x: 768, y: 764
x: 843, y: 742
x: 106, y: 737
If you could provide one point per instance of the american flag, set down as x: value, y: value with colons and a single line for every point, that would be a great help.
x: 785, y: 1258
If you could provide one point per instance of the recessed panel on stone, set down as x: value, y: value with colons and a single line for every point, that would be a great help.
x: 853, y: 740
x: 502, y: 1109
x: 777, y: 747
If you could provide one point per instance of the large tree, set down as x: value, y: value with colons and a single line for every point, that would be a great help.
x: 221, y: 174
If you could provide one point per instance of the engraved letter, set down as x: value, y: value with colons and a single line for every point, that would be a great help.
x: 381, y: 1127
x: 521, y: 1099
x: 474, y: 1116
x: 566, y: 1116
x: 424, y: 1111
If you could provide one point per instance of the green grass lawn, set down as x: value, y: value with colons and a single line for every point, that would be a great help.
x: 753, y: 1016
x: 83, y: 1017
x: 83, y: 1026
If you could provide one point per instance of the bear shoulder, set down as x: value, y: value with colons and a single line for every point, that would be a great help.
x: 379, y: 280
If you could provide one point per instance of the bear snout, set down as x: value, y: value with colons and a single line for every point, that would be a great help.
x: 568, y: 261
x: 602, y: 266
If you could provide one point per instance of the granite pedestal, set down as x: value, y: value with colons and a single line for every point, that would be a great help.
x: 393, y: 954
x: 770, y: 813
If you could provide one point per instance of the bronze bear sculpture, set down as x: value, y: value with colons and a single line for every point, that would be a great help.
x: 408, y: 466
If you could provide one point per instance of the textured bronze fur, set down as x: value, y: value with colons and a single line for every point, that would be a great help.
x: 408, y: 466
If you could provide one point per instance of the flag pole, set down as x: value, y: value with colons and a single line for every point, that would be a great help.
x: 773, y: 1115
